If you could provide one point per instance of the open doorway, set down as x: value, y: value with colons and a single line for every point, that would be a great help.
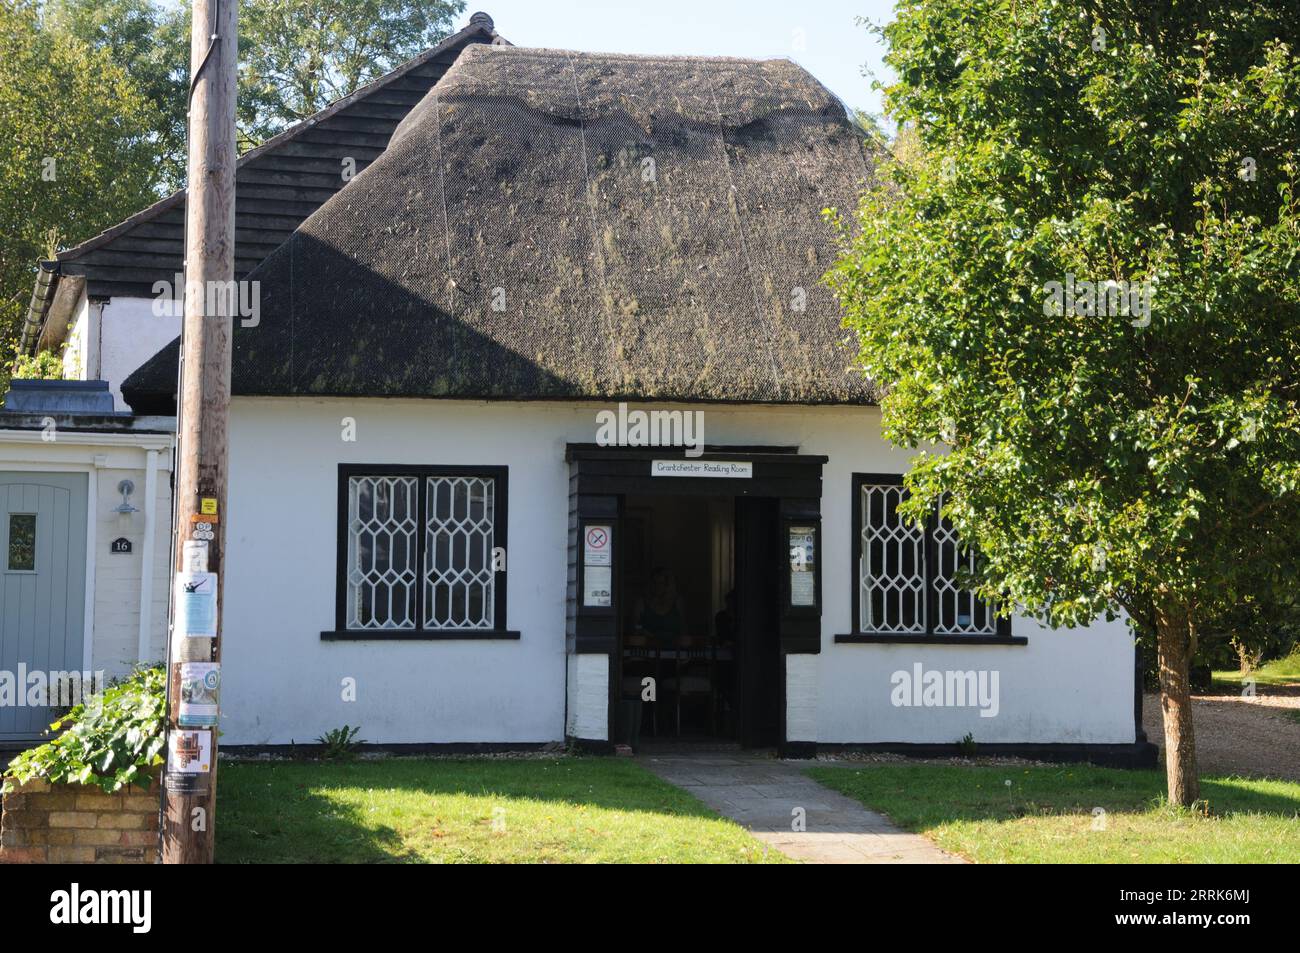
x: 699, y: 636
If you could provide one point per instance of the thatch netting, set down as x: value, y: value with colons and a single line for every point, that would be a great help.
x: 547, y: 224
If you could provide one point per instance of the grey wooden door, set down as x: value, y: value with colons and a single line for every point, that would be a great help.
x: 42, y: 588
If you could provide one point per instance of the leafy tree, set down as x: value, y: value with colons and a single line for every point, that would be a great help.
x: 1104, y: 451
x: 75, y: 150
x: 295, y: 56
x: 151, y: 41
x: 1258, y: 628
x: 101, y: 88
x: 298, y: 56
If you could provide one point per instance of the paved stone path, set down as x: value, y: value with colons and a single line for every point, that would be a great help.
x: 761, y: 794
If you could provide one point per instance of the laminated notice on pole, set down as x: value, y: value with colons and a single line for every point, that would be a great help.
x: 195, y: 558
x: 189, y: 761
x: 196, y: 604
x: 200, y: 694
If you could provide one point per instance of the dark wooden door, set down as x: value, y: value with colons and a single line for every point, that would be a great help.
x: 758, y: 563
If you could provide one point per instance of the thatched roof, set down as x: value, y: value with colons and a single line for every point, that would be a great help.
x: 547, y: 224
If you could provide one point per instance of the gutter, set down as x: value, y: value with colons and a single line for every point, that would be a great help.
x: 47, y: 277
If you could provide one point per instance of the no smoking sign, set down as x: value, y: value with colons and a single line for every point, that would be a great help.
x: 596, y: 547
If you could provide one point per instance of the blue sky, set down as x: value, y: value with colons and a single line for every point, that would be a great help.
x: 821, y: 35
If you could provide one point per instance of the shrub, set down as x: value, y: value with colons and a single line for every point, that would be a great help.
x: 111, y: 740
x: 45, y: 366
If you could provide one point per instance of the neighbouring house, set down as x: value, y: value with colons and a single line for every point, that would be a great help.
x: 85, y: 535
x: 96, y: 596
x: 547, y: 429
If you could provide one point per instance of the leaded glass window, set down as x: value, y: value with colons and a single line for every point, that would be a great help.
x: 909, y: 576
x: 424, y: 550
x: 458, y: 573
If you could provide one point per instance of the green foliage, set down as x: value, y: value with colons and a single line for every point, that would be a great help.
x: 1097, y: 460
x: 967, y: 747
x: 298, y: 56
x: 151, y: 42
x: 100, y: 87
x: 1255, y: 630
x: 111, y: 740
x: 43, y: 366
x: 340, y: 743
x: 75, y: 149
x: 295, y: 56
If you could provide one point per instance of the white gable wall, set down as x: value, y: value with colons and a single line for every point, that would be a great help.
x: 110, y: 338
x: 282, y: 683
x: 131, y: 334
x: 80, y: 352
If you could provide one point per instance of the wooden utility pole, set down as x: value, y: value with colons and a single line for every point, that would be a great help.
x: 194, y: 645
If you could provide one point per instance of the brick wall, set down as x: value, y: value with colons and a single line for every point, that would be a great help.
x: 76, y: 824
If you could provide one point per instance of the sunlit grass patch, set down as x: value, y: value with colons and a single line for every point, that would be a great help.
x: 534, y: 810
x: 1077, y: 813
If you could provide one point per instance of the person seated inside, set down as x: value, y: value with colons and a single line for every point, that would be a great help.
x: 658, y: 619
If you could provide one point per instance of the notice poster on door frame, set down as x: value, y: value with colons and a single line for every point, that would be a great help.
x: 803, y: 565
x: 598, y: 587
x: 596, y: 546
x: 598, y: 566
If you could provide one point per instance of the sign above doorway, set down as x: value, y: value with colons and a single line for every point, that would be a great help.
x: 727, y: 469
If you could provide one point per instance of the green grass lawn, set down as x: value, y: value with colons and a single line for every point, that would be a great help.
x: 553, y: 810
x: 1285, y: 671
x: 1046, y: 814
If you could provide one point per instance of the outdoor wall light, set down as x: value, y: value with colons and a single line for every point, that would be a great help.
x: 125, y: 509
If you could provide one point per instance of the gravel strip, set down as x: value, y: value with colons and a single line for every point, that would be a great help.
x: 1252, y: 737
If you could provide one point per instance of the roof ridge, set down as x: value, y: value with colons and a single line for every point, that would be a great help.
x: 474, y: 27
x: 645, y: 57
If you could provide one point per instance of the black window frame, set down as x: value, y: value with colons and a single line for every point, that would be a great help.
x: 421, y: 472
x: 857, y: 635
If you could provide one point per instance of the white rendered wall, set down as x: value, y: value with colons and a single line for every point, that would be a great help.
x: 282, y: 683
x: 127, y: 333
x: 588, y: 700
x: 801, y: 697
x: 78, y: 359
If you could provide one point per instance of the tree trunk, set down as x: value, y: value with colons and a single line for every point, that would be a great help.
x: 1174, y: 650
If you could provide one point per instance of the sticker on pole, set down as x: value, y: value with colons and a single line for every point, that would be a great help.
x: 196, y: 605
x: 200, y: 694
x: 195, y: 555
x: 189, y: 760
